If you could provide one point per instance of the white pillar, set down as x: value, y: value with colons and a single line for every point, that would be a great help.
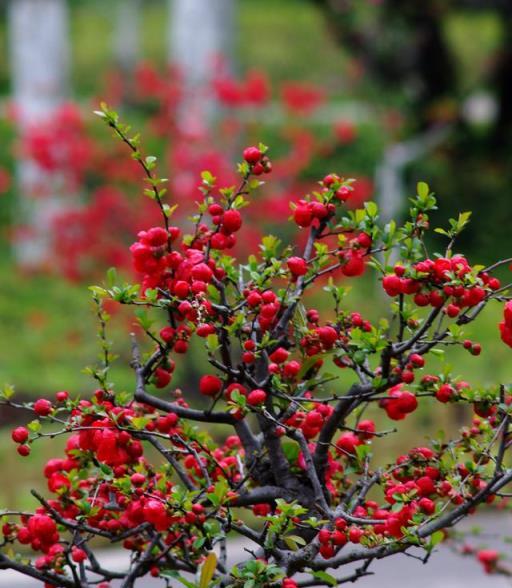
x: 200, y: 33
x: 39, y: 59
x: 127, y: 34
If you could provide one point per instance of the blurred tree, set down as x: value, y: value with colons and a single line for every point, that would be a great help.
x: 398, y: 42
x: 502, y: 81
x: 200, y: 45
x: 408, y: 58
x: 39, y: 58
x: 404, y: 44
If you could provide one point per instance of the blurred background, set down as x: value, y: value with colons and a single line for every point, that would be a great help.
x: 386, y: 91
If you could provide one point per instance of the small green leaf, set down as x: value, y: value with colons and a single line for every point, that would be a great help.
x: 208, y: 570
x: 325, y: 577
x: 208, y: 178
x: 436, y: 538
x: 140, y: 422
x: 291, y: 451
x: 363, y: 451
x: 291, y: 544
x: 169, y: 210
x: 463, y: 220
x: 34, y: 426
x: 8, y: 391
x: 199, y: 542
x: 111, y: 277
x: 212, y: 342
x: 98, y: 291
x: 179, y: 577
x: 297, y: 539
x: 371, y: 208
x: 106, y: 470
x: 423, y: 190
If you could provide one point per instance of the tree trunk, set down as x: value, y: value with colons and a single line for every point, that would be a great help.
x: 39, y: 57
x: 200, y: 42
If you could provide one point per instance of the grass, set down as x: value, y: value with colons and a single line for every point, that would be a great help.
x: 48, y: 333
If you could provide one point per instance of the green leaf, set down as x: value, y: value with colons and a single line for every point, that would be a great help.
x: 291, y: 451
x: 291, y: 543
x: 363, y: 451
x: 371, y: 208
x: 111, y: 277
x: 179, y: 577
x: 98, y: 291
x: 208, y: 570
x: 169, y: 210
x: 269, y: 246
x: 8, y: 391
x: 105, y: 469
x: 436, y: 538
x: 219, y: 493
x: 199, y: 542
x: 297, y: 539
x: 144, y: 319
x: 124, y: 397
x: 34, y: 426
x: 212, y: 342
x: 208, y: 178
x: 140, y: 422
x: 423, y: 190
x: 463, y: 220
x: 325, y: 577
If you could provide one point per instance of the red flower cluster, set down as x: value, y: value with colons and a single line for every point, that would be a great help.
x: 302, y: 98
x: 506, y: 324
x: 265, y: 307
x: 488, y: 558
x: 61, y: 143
x: 400, y: 403
x: 253, y: 91
x: 40, y: 532
x: 82, y: 242
x: 444, y: 281
x: 311, y: 422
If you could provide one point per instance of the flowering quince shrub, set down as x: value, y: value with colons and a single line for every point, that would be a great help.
x: 141, y: 469
x: 99, y: 181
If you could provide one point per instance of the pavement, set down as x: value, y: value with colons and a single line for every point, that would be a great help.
x: 444, y: 570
